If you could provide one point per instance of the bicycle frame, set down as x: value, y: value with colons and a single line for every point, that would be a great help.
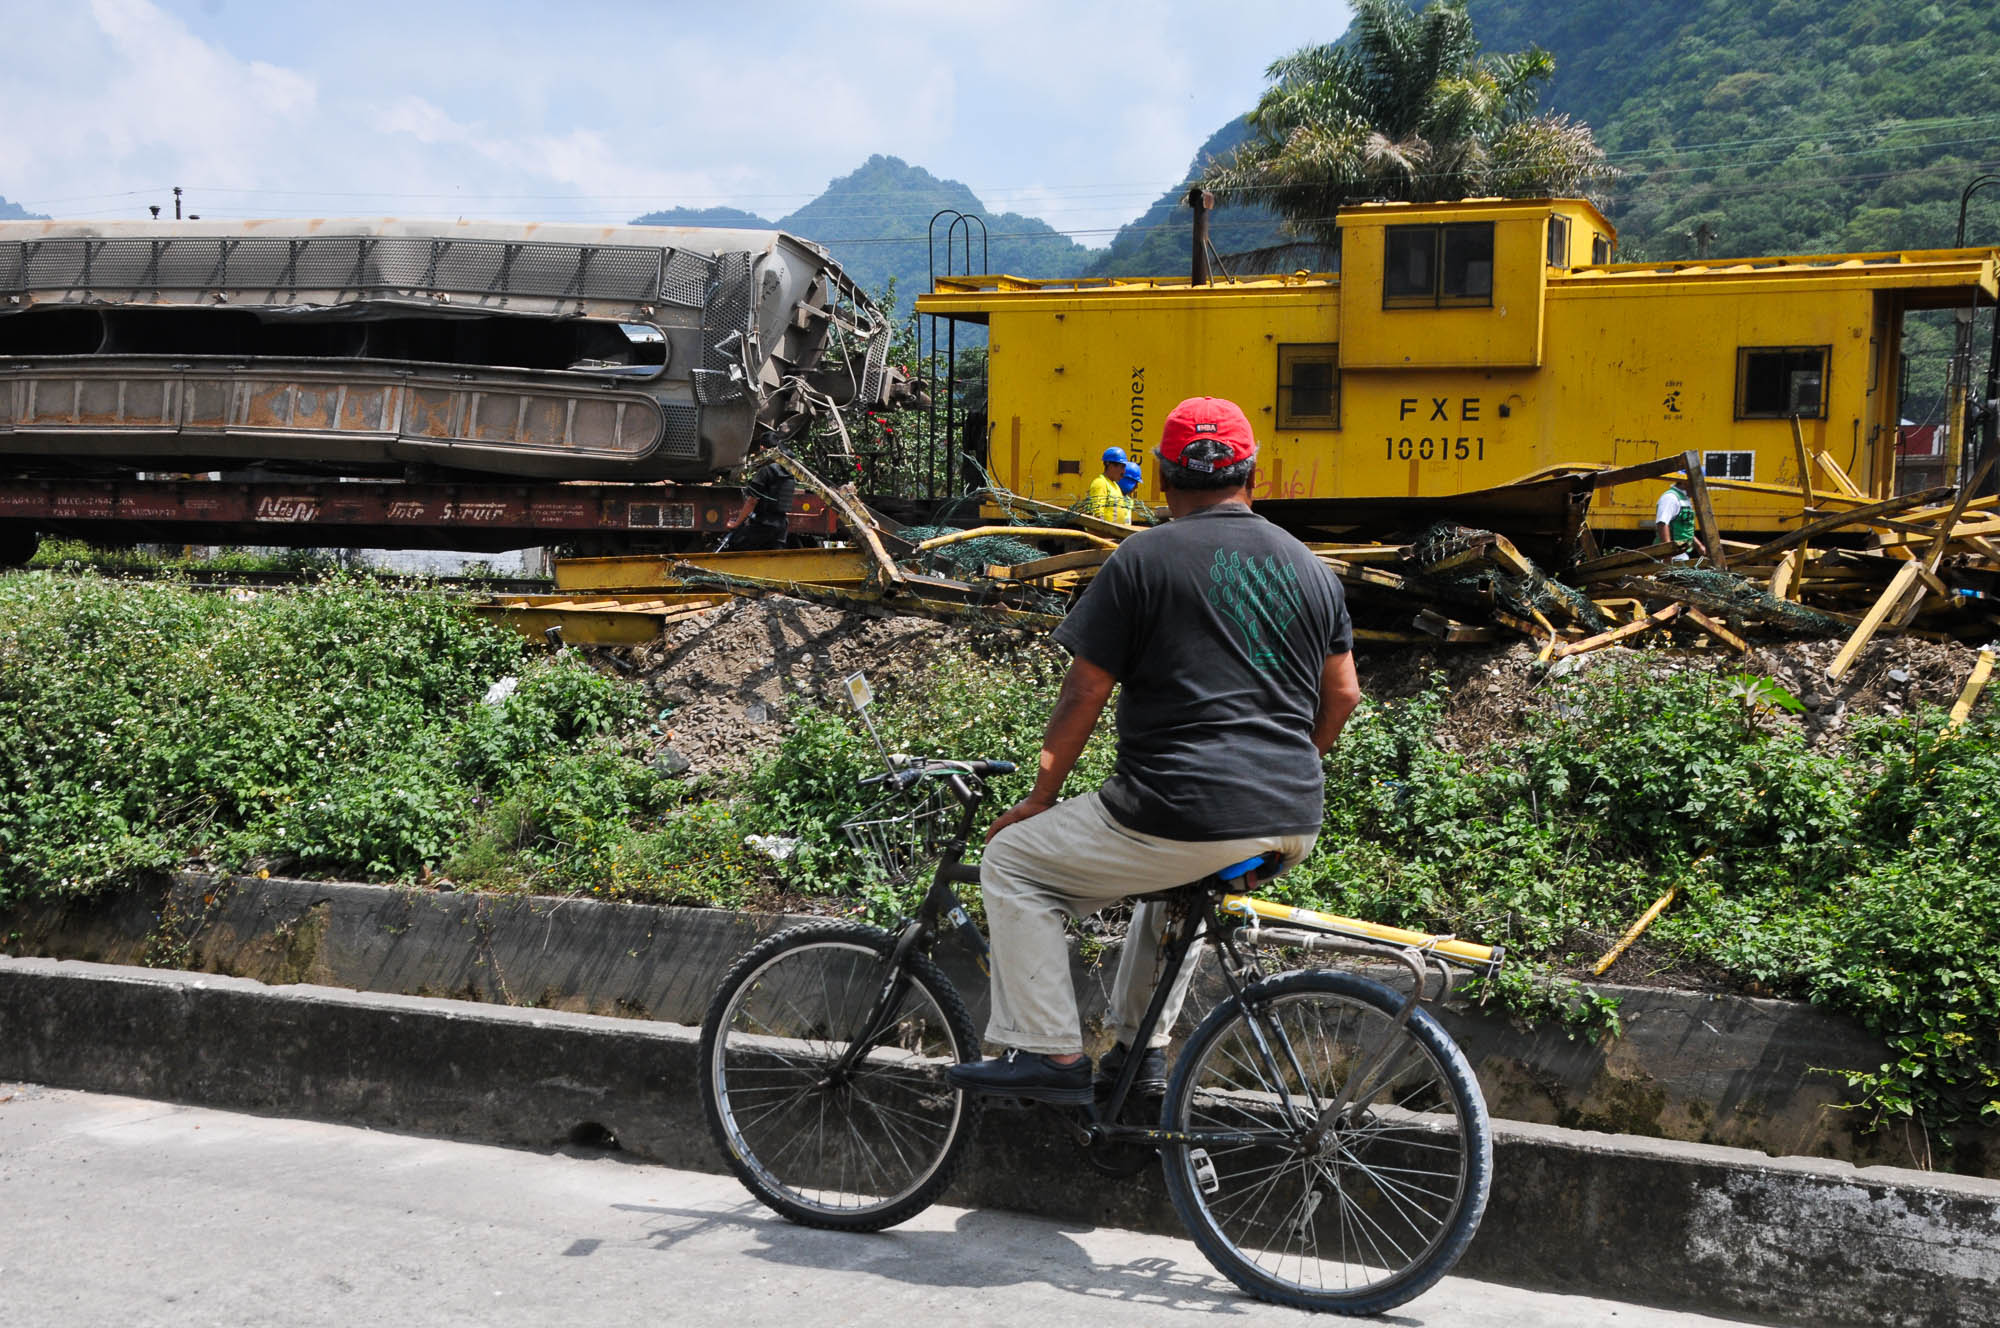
x: 1202, y: 914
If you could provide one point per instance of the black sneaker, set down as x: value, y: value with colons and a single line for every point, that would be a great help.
x: 1024, y: 1074
x: 1151, y: 1080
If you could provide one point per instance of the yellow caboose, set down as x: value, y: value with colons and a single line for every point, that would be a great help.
x: 1466, y: 346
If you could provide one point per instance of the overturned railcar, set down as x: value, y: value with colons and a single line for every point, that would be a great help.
x: 415, y: 349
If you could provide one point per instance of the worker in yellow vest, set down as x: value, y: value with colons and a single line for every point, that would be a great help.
x: 1105, y: 499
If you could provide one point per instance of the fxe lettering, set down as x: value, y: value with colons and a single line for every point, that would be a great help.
x: 1440, y: 408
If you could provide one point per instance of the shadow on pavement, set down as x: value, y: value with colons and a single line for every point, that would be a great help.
x: 984, y: 1249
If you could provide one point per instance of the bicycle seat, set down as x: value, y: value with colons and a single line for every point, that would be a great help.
x: 1219, y: 881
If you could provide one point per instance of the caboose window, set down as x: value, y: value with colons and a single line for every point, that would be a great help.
x: 1778, y: 382
x: 1427, y: 266
x: 1558, y: 241
x: 1309, y: 386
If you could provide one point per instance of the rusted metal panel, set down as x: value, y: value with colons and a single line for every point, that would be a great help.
x: 383, y: 514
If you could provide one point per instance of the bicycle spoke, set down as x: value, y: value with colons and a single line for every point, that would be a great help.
x: 837, y: 1142
x: 1336, y: 1210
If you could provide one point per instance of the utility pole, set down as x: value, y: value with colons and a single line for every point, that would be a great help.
x: 1704, y: 235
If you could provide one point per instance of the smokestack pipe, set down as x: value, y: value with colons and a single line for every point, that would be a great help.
x: 1201, y: 201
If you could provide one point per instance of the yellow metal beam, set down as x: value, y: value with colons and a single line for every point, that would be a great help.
x: 607, y: 621
x: 1249, y: 906
x: 820, y: 567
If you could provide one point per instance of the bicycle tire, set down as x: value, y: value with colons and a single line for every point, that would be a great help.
x: 786, y: 1011
x: 1406, y: 1166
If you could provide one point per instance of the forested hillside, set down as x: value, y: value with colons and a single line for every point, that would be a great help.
x: 1795, y: 127
x: 15, y: 212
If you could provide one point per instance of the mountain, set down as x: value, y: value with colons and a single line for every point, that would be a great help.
x: 733, y: 218
x: 875, y: 222
x: 15, y: 212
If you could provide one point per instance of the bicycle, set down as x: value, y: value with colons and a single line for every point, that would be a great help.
x: 1321, y: 1137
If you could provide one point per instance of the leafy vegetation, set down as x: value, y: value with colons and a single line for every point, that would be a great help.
x: 1405, y: 107
x: 75, y: 556
x: 353, y: 729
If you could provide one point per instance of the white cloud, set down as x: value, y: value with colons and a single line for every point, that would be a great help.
x: 1079, y: 113
x: 422, y: 120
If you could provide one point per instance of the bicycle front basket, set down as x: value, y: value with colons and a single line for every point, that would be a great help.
x: 900, y: 834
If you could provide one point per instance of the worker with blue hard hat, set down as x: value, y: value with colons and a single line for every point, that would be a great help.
x: 1106, y: 498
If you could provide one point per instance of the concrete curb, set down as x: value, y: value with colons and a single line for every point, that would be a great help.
x: 1722, y: 1070
x: 1700, y: 1227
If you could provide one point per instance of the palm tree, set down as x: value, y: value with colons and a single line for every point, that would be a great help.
x: 1408, y: 109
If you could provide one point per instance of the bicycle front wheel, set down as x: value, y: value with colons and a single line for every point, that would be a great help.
x: 1341, y: 1160
x: 826, y: 1132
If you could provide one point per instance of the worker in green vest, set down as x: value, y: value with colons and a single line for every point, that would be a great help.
x: 1673, y: 519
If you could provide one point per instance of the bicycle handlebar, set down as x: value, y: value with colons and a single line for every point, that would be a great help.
x: 913, y: 768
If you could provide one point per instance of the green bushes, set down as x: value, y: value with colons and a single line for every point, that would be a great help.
x: 341, y: 730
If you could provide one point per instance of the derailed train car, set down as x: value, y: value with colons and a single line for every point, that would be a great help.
x: 414, y: 349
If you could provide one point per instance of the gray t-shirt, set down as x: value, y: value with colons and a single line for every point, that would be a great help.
x: 1217, y: 626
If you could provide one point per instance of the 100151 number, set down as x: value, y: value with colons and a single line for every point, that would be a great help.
x: 1461, y: 448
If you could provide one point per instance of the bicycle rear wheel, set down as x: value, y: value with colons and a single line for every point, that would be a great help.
x: 858, y: 1147
x: 1349, y: 1158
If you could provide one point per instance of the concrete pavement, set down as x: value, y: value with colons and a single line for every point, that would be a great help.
x: 132, y: 1212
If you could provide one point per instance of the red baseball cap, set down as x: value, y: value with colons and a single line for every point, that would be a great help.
x: 1207, y: 434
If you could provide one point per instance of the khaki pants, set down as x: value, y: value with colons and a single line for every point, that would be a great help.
x: 1073, y: 858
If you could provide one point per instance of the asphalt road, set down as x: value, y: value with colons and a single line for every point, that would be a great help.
x: 125, y: 1212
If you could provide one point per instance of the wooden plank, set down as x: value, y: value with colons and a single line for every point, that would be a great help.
x: 1061, y: 562
x: 1982, y: 669
x: 1981, y: 545
x: 1510, y: 558
x: 1872, y: 621
x: 1645, y: 470
x: 1652, y: 553
x: 1855, y: 516
x: 1363, y: 553
x: 1704, y: 511
x: 1375, y: 576
x: 1785, y: 576
x: 1718, y: 631
x: 1646, y: 624
x: 1841, y: 479
x: 1390, y: 638
x: 1482, y: 551
x: 853, y: 512
x: 1805, y: 469
x: 1436, y: 624
x: 1946, y: 526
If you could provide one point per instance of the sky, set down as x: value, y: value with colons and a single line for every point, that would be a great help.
x: 1077, y: 112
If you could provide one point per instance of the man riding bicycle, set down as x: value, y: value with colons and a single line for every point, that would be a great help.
x: 1234, y: 650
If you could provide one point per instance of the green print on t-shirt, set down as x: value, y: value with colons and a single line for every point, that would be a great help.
x: 1259, y: 598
